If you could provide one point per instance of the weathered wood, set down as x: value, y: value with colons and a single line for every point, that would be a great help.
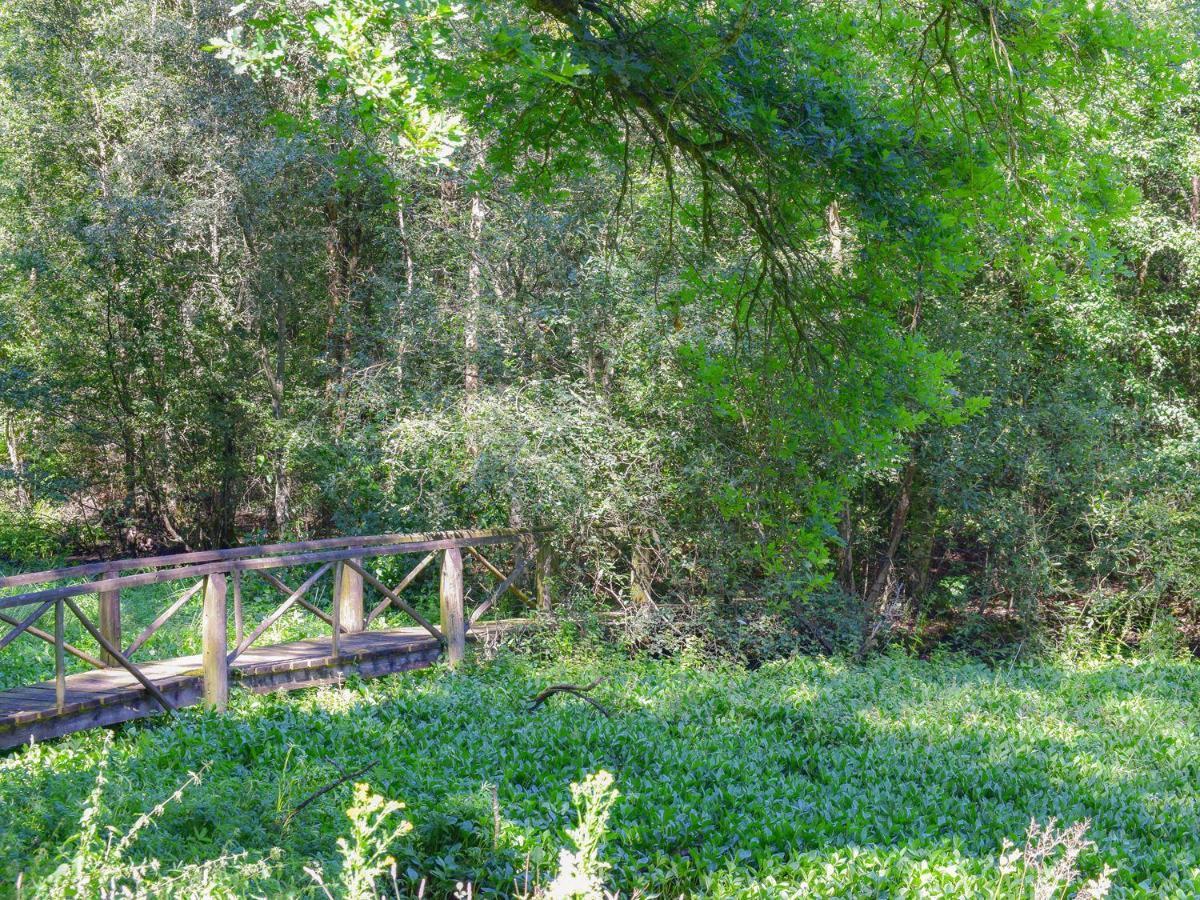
x: 110, y: 696
x: 24, y: 624
x: 495, y: 595
x: 282, y: 587
x: 236, y: 553
x: 161, y: 619
x: 396, y: 599
x: 349, y: 598
x: 408, y: 579
x: 118, y: 689
x: 578, y: 690
x: 453, y: 626
x: 320, y: 792
x: 280, y: 610
x: 335, y: 632
x: 215, y: 644
x: 498, y: 574
x: 118, y: 655
x: 239, y: 617
x: 46, y: 636
x: 269, y: 562
x: 543, y: 567
x: 60, y: 658
x: 108, y: 617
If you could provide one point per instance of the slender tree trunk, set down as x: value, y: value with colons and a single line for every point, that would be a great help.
x: 641, y: 575
x: 343, y: 245
x: 876, y: 613
x: 833, y: 221
x: 895, y: 533
x: 280, y: 499
x: 1194, y: 205
x: 471, y: 313
x: 12, y: 439
x: 409, y: 265
x: 846, y: 569
x: 833, y: 224
x: 223, y: 517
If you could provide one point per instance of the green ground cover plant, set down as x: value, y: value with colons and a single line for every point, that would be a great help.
x: 804, y: 777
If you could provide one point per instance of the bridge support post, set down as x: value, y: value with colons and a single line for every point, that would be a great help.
x: 216, y: 644
x: 453, y: 626
x: 108, y: 608
x: 350, y: 598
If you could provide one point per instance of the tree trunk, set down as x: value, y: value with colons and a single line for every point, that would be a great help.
x: 641, y: 574
x: 276, y: 381
x: 899, y: 517
x: 343, y: 246
x: 833, y: 221
x: 875, y: 612
x: 409, y: 266
x: 12, y: 439
x: 471, y: 313
x: 846, y: 568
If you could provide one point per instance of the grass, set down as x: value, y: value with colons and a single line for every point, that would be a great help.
x: 804, y: 777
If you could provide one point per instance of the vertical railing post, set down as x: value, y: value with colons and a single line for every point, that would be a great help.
x: 453, y: 627
x: 216, y: 643
x: 349, y: 599
x: 239, y: 616
x: 543, y: 563
x: 335, y: 642
x: 108, y: 608
x: 60, y: 662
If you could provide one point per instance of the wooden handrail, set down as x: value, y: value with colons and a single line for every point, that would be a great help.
x: 279, y: 611
x: 163, y: 617
x: 120, y: 657
x: 498, y: 575
x: 407, y: 580
x: 226, y: 564
x: 279, y: 585
x: 500, y: 589
x: 25, y: 623
x: 86, y: 570
x: 345, y: 557
x: 395, y: 598
x: 46, y: 636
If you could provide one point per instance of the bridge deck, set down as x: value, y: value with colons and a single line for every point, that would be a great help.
x: 109, y: 696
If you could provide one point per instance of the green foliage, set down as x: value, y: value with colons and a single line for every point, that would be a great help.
x: 101, y: 861
x: 717, y: 286
x: 356, y: 65
x: 896, y: 776
x: 31, y: 535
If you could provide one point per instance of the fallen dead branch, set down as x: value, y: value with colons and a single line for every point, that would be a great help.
x: 577, y: 690
x: 345, y: 776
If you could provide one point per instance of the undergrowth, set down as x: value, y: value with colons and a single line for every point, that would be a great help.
x: 804, y: 777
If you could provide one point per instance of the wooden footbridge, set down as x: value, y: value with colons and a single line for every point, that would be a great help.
x: 116, y: 688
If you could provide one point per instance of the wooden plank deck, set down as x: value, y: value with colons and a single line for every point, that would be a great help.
x: 110, y: 696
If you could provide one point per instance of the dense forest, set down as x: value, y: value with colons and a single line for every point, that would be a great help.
x: 825, y: 308
x: 862, y: 330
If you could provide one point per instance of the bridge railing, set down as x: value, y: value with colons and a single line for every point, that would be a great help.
x: 348, y: 561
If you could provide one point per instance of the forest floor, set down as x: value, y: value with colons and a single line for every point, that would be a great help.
x: 803, y: 777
